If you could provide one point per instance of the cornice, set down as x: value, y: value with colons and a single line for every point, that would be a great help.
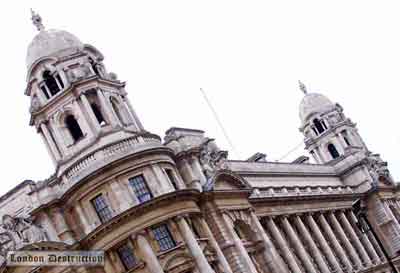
x: 72, y: 89
x: 298, y: 198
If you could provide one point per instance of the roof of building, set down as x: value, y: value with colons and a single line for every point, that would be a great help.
x: 50, y: 42
x: 313, y: 103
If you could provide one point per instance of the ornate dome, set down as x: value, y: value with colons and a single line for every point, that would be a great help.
x: 313, y: 103
x: 51, y: 42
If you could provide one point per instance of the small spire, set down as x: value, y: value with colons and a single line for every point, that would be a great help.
x: 37, y: 20
x: 303, y: 87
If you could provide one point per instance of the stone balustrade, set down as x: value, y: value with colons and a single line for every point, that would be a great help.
x: 107, y: 154
x: 302, y: 191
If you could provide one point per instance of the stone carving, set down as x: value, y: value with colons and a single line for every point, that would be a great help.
x: 378, y: 169
x: 79, y: 73
x: 22, y: 230
x: 7, y: 242
x: 112, y: 76
x: 212, y: 158
x: 35, y: 105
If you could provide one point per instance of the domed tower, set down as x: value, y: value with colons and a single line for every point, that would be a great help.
x: 76, y: 105
x: 329, y: 134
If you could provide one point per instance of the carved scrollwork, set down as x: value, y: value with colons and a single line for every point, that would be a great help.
x: 212, y: 158
x: 378, y: 169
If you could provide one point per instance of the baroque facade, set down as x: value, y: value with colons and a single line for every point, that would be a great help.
x: 179, y: 205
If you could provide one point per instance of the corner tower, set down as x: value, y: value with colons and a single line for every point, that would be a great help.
x: 329, y: 134
x: 76, y: 105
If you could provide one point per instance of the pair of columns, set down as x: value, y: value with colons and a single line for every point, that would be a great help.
x: 151, y: 260
x: 361, y: 251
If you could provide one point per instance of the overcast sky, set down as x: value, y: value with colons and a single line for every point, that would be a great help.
x: 247, y: 56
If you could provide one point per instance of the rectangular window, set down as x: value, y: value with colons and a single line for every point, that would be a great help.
x: 102, y: 208
x: 127, y: 257
x: 140, y: 188
x: 171, y: 178
x: 163, y: 237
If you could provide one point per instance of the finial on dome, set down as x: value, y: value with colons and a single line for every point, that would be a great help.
x: 303, y: 87
x: 37, y: 20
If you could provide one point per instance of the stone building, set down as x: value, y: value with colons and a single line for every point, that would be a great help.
x: 179, y: 205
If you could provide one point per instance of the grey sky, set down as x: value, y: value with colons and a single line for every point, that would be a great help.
x: 247, y: 56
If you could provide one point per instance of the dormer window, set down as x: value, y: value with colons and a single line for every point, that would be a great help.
x: 320, y: 126
x: 73, y: 128
x: 51, y: 83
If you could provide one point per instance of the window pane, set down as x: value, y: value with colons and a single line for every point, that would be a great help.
x: 102, y: 209
x: 127, y: 256
x: 171, y: 178
x: 163, y: 237
x: 140, y: 188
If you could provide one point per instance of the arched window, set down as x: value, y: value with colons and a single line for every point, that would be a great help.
x: 73, y: 128
x: 333, y: 151
x: 319, y: 126
x: 51, y: 83
x: 98, y: 114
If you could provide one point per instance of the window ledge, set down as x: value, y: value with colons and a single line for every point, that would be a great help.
x: 77, y: 141
x: 161, y: 254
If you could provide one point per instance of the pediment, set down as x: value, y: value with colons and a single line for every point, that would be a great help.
x: 225, y: 180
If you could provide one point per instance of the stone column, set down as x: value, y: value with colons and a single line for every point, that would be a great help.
x: 62, y: 228
x: 345, y: 241
x: 285, y: 250
x: 377, y: 247
x: 354, y: 239
x: 122, y: 196
x: 193, y: 246
x: 60, y: 141
x: 198, y: 169
x: 300, y: 251
x: 135, y: 117
x: 239, y: 245
x: 115, y: 262
x: 148, y: 255
x: 92, y: 118
x: 271, y: 255
x: 82, y: 119
x: 214, y: 244
x: 108, y: 267
x: 48, y: 148
x: 193, y: 181
x: 48, y: 226
x: 319, y: 259
x: 335, y: 243
x: 82, y: 218
x: 317, y: 157
x: 161, y: 177
x: 49, y: 139
x: 330, y: 256
x: 365, y: 240
x: 107, y: 108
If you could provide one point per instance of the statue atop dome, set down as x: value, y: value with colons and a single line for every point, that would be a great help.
x: 37, y: 20
x: 303, y: 87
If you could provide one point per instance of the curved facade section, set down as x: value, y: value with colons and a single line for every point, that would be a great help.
x: 180, y: 205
